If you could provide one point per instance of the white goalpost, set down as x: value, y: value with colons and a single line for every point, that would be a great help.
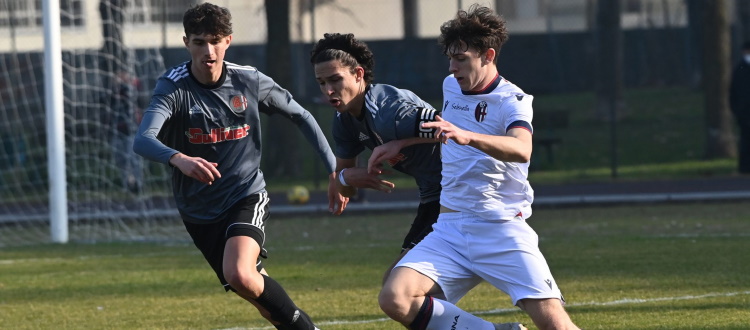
x: 58, y: 197
x: 75, y: 76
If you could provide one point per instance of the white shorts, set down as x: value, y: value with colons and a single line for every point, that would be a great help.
x: 463, y: 250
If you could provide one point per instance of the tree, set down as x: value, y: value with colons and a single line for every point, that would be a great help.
x: 743, y: 13
x: 716, y: 77
x: 411, y: 18
x: 282, y: 158
x: 608, y: 41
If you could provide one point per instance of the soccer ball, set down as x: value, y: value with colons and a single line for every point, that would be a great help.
x: 298, y: 195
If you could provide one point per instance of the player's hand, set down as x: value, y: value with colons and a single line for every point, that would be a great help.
x: 387, y: 151
x: 445, y: 131
x: 196, y: 168
x: 336, y: 201
x: 360, y: 177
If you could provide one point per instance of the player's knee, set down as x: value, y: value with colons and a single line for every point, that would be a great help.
x: 547, y: 313
x: 245, y: 281
x: 393, y: 303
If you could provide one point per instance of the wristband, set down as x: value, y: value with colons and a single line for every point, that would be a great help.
x: 341, y: 178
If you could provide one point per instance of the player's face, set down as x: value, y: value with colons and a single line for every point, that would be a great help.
x: 207, y: 52
x: 473, y: 71
x: 342, y: 88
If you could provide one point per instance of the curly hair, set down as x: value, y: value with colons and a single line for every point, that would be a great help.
x: 345, y: 48
x: 207, y: 18
x: 479, y: 28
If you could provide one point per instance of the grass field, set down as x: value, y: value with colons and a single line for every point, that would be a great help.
x: 628, y: 267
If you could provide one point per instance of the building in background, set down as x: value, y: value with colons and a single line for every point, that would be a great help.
x: 158, y: 23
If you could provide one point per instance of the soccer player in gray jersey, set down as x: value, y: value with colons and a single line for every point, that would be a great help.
x: 382, y: 118
x: 203, y: 120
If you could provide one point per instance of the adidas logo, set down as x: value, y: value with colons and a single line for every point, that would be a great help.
x: 195, y: 109
x: 363, y: 137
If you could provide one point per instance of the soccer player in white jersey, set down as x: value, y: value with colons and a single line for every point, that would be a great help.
x: 481, y: 233
x: 204, y: 121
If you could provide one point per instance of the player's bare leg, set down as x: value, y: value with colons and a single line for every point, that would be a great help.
x: 403, y: 294
x: 547, y: 314
x: 408, y: 297
x: 240, y: 259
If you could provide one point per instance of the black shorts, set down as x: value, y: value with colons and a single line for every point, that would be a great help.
x: 246, y: 218
x: 427, y: 215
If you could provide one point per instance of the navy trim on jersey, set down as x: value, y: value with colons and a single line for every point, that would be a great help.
x: 520, y: 124
x: 491, y: 87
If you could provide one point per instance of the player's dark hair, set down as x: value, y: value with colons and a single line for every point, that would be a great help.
x: 479, y: 28
x: 345, y: 48
x: 207, y: 18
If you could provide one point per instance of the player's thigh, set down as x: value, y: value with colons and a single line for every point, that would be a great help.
x: 506, y: 254
x: 405, y: 281
x: 241, y: 253
x: 437, y: 257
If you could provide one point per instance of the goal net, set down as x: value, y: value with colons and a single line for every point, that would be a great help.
x: 113, y: 194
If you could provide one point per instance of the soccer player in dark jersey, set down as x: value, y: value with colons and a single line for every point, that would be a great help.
x: 204, y: 121
x: 382, y: 118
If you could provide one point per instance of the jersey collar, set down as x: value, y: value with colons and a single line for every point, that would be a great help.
x: 487, y: 89
x: 217, y: 84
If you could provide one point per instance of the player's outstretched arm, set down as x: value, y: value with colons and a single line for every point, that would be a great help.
x: 390, y: 151
x: 359, y: 177
x: 515, y: 146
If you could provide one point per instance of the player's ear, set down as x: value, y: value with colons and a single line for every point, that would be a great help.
x: 359, y: 73
x: 185, y: 40
x: 489, y: 56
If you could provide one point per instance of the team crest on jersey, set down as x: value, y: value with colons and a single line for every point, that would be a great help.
x: 480, y: 112
x: 238, y: 103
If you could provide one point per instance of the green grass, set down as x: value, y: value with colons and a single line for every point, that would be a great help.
x: 680, y: 266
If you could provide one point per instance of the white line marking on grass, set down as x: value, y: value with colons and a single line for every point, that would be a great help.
x: 101, y: 256
x: 509, y: 310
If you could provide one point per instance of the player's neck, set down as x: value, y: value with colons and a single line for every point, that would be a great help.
x: 489, y: 77
x: 205, y: 76
x: 356, y: 106
x: 357, y: 103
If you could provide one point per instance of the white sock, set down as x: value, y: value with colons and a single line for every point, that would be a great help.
x: 448, y: 316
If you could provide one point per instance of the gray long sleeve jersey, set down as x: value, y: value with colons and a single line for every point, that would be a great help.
x: 221, y: 124
x: 390, y: 114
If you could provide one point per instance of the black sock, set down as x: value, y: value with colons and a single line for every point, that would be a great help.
x: 283, y: 310
x: 423, y: 316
